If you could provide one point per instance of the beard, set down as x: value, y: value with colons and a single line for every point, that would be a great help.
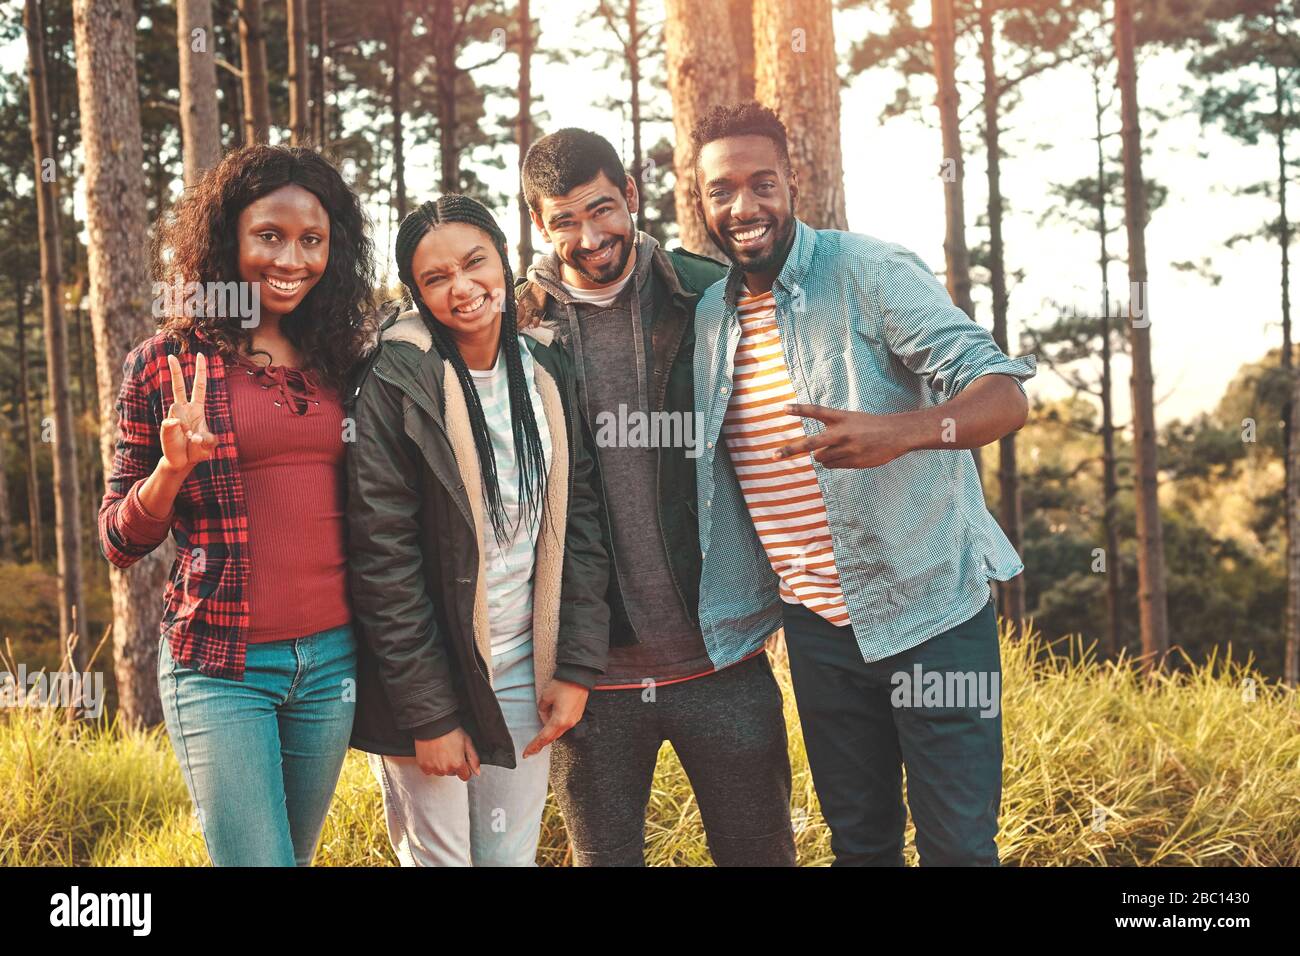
x: 769, y: 261
x: 607, y: 274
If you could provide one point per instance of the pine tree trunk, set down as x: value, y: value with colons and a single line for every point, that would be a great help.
x: 956, y: 256
x: 1152, y: 601
x: 299, y: 94
x: 446, y: 75
x: 794, y: 74
x: 742, y: 35
x: 955, y: 253
x: 524, y: 133
x: 231, y: 83
x: 397, y: 28
x: 6, y: 516
x: 36, y: 550
x: 252, y: 52
x: 701, y: 73
x: 67, y: 494
x: 1291, y: 663
x: 1009, y: 510
x: 200, y: 123
x: 634, y: 66
x: 120, y: 309
x: 1291, y: 668
x: 320, y: 77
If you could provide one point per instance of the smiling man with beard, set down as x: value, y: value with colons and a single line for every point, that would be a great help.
x: 874, y: 552
x: 625, y: 308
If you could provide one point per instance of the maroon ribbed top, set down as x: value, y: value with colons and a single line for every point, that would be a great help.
x: 289, y: 434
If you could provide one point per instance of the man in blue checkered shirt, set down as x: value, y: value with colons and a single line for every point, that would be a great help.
x: 838, y: 391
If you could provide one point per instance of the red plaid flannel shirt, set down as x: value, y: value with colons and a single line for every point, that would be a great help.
x: 205, y: 603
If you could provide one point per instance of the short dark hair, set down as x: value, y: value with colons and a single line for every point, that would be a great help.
x: 750, y: 118
x: 565, y: 159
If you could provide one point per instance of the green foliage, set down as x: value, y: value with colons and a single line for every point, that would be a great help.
x: 1223, y: 530
x: 1247, y: 68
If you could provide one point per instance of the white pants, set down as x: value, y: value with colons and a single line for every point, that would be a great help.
x: 494, y: 819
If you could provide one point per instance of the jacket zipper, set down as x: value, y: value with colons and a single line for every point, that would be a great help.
x: 692, y: 615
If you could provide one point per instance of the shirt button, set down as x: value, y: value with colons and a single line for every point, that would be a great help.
x: 723, y: 390
x: 710, y: 444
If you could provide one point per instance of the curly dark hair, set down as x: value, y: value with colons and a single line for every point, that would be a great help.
x: 750, y: 118
x: 199, y: 242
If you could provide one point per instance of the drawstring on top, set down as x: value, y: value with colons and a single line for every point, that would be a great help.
x: 638, y: 341
x: 296, y: 387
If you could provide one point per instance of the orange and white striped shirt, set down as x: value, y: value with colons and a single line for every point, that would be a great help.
x: 783, y: 497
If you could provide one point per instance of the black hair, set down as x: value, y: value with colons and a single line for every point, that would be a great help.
x: 750, y: 118
x: 198, y: 242
x: 569, y: 157
x: 452, y: 207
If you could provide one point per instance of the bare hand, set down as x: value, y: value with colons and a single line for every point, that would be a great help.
x: 560, y: 708
x: 849, y: 440
x: 451, y: 755
x: 184, y: 433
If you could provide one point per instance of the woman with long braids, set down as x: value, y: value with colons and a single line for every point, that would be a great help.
x: 477, y: 570
x: 232, y: 440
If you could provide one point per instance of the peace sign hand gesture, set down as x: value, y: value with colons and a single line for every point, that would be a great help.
x: 184, y: 434
x: 850, y: 439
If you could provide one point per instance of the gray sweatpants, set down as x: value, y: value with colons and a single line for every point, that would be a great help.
x: 728, y: 730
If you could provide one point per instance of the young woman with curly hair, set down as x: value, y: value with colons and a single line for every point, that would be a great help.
x: 232, y: 439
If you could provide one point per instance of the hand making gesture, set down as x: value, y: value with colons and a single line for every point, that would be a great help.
x: 184, y: 434
x: 849, y: 440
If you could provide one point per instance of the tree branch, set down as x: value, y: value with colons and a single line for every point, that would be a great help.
x: 487, y: 62
x: 221, y: 62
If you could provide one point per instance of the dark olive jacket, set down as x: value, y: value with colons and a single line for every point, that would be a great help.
x: 679, y: 278
x: 415, y: 565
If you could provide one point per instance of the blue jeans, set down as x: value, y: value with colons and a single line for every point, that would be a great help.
x: 860, y: 730
x: 261, y: 756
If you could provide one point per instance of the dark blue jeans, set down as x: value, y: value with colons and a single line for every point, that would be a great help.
x: 934, y: 709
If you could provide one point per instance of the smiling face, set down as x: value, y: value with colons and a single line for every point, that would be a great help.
x: 747, y: 202
x: 284, y: 247
x: 459, y: 275
x: 593, y: 229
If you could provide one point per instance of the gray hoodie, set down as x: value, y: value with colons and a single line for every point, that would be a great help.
x: 611, y: 350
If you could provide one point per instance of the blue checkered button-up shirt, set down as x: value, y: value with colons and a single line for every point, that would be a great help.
x: 865, y: 326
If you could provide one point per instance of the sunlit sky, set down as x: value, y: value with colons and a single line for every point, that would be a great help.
x: 1201, y: 333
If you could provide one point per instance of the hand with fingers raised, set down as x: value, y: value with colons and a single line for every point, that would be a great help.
x: 849, y: 439
x: 184, y: 433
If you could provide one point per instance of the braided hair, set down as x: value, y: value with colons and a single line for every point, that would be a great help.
x: 452, y: 207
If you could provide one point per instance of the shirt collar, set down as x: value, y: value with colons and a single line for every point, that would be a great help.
x: 792, y: 273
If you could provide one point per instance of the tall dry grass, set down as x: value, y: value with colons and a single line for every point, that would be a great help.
x: 1103, y: 766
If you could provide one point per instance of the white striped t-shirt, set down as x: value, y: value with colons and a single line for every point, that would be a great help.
x: 783, y: 497
x: 509, y: 566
